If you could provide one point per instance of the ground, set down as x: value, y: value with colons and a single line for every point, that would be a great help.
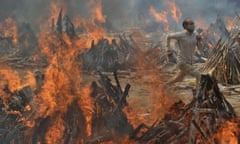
x: 144, y: 94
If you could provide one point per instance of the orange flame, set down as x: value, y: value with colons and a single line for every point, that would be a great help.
x: 231, y: 22
x: 228, y: 134
x: 54, y: 10
x: 55, y: 132
x: 175, y: 10
x: 86, y: 104
x: 92, y: 31
x: 160, y: 17
x: 9, y: 28
x: 12, y: 78
x: 147, y: 111
x: 97, y: 11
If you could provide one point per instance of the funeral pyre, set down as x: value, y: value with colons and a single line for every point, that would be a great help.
x: 44, y: 98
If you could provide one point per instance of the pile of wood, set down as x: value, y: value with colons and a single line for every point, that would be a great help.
x: 110, y: 56
x: 23, y: 53
x: 23, y: 62
x: 224, y: 62
x: 108, y: 120
x: 224, y: 52
x: 194, y: 123
x: 14, y: 106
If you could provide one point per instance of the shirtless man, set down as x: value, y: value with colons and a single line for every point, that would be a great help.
x: 187, y: 43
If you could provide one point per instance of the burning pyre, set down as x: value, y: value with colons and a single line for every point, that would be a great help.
x: 44, y: 98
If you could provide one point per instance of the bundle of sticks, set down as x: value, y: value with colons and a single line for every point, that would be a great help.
x: 224, y: 62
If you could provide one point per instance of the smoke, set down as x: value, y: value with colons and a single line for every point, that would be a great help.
x: 120, y: 13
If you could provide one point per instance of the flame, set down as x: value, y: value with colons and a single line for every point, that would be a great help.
x: 97, y: 11
x: 147, y: 111
x: 12, y: 79
x: 175, y: 11
x: 62, y: 81
x: 86, y: 104
x: 92, y: 31
x: 53, y: 11
x: 228, y: 134
x: 231, y: 22
x: 10, y: 29
x: 137, y: 113
x: 30, y: 79
x: 160, y: 17
x: 55, y: 132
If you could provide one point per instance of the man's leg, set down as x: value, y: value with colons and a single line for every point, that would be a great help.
x: 193, y: 72
x: 177, y: 78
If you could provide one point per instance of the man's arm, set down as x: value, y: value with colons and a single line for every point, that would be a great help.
x: 199, y: 47
x: 175, y: 36
x: 170, y: 36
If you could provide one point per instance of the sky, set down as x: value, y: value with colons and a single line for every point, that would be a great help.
x: 120, y: 13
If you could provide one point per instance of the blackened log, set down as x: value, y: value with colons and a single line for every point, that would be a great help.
x: 59, y: 22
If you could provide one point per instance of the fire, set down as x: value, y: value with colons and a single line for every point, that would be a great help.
x: 53, y: 11
x: 92, y: 31
x: 12, y: 79
x: 63, y: 79
x: 228, y: 134
x: 175, y: 11
x: 10, y: 29
x: 86, y: 104
x: 156, y: 103
x: 55, y: 132
x: 97, y: 11
x: 30, y: 79
x: 62, y: 82
x: 231, y: 22
x: 160, y: 17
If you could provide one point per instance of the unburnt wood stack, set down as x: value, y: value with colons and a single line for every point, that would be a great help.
x: 224, y: 62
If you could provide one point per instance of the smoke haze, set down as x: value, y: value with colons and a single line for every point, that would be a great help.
x: 120, y: 13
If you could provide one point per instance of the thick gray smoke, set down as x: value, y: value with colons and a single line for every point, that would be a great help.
x: 119, y: 13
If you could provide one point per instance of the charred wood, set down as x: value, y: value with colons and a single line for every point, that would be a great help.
x: 193, y: 123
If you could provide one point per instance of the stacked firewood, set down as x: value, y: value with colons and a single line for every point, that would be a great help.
x: 21, y: 54
x: 193, y: 123
x: 110, y: 56
x: 15, y: 109
x: 109, y: 119
x: 15, y: 61
x: 224, y: 62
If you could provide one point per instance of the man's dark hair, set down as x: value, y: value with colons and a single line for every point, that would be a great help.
x: 186, y: 22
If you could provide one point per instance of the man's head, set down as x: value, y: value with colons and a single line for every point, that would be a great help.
x: 188, y: 25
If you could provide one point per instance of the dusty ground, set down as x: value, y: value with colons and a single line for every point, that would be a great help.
x: 145, y: 95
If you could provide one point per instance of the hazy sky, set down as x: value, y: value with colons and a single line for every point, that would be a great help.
x: 118, y: 12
